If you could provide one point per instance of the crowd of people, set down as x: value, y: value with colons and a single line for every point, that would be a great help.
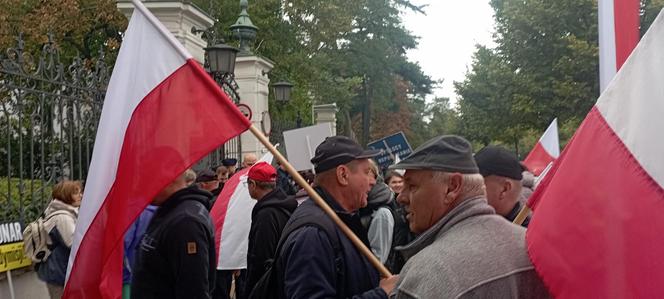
x: 440, y: 220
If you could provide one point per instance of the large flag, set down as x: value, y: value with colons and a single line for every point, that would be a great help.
x: 546, y: 150
x: 161, y: 114
x: 597, y: 229
x: 618, y: 35
x: 231, y: 215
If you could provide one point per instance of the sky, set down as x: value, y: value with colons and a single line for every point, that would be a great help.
x: 448, y: 34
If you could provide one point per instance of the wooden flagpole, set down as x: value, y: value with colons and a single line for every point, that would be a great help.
x: 321, y: 203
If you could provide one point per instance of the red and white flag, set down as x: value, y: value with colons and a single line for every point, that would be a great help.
x: 598, y: 215
x: 161, y: 114
x: 618, y: 35
x: 231, y: 215
x: 546, y: 150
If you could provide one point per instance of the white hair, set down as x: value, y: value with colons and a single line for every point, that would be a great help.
x: 472, y: 183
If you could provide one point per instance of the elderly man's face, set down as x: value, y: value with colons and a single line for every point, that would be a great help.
x: 360, y: 181
x: 249, y: 160
x: 423, y: 197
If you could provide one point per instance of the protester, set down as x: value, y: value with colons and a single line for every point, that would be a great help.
x: 190, y: 176
x: 395, y: 181
x: 231, y: 164
x: 502, y: 174
x: 248, y: 160
x: 222, y: 177
x: 268, y: 218
x: 464, y: 249
x: 133, y: 238
x: 317, y: 260
x: 207, y: 180
x: 61, y: 215
x: 176, y: 257
x: 377, y: 216
x: 284, y: 180
x: 528, y: 183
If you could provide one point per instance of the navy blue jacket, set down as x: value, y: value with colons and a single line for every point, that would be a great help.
x: 309, y: 267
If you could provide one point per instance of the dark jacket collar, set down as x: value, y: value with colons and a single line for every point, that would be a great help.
x: 275, y: 198
x: 352, y: 220
x: 189, y: 193
x: 514, y: 212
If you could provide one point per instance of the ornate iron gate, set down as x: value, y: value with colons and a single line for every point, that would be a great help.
x: 48, y: 124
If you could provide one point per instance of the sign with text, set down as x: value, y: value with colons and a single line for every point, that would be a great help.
x: 10, y: 232
x: 392, y: 146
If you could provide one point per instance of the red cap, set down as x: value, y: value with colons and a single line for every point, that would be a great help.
x: 263, y: 172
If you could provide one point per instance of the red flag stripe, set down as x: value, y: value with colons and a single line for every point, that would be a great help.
x: 626, y: 26
x: 561, y: 239
x: 538, y: 159
x: 179, y: 122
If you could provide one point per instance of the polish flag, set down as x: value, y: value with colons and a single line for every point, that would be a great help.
x: 546, y: 150
x: 597, y: 227
x: 231, y: 216
x: 161, y: 114
x: 618, y: 35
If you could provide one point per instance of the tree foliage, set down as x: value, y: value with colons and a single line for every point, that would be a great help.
x: 544, y: 65
x: 346, y: 52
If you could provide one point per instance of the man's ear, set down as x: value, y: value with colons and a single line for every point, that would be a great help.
x: 454, y: 186
x: 507, y: 187
x: 342, y: 172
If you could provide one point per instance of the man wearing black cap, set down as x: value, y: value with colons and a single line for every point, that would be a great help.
x: 316, y: 259
x: 463, y: 249
x: 207, y: 180
x: 502, y: 174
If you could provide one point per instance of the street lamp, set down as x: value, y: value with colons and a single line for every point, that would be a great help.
x: 221, y: 58
x: 282, y: 94
x: 282, y: 91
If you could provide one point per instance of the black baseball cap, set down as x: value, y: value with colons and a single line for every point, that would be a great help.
x: 448, y: 153
x: 338, y: 150
x: 496, y: 160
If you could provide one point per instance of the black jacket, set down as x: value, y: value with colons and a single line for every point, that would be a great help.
x: 268, y: 219
x: 308, y: 266
x: 176, y: 257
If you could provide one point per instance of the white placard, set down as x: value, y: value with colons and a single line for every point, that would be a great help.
x: 301, y: 144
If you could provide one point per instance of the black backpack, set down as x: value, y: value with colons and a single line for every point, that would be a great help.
x: 269, y: 285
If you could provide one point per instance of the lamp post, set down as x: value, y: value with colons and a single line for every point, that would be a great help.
x: 282, y: 94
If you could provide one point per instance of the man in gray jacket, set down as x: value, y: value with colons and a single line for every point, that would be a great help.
x: 464, y: 250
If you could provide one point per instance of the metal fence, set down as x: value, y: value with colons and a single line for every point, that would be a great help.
x: 48, y: 121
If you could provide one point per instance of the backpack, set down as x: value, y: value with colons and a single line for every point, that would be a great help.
x: 401, y: 234
x: 37, y: 244
x: 268, y: 285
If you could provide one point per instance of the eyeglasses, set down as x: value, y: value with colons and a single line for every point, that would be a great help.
x: 247, y: 182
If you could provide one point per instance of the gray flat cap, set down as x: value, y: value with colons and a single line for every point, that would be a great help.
x: 449, y: 153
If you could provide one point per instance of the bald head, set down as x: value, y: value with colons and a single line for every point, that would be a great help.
x: 249, y: 160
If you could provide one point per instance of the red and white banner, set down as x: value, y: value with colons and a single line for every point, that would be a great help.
x: 546, y: 150
x: 161, y: 114
x: 597, y: 225
x: 618, y: 35
x: 231, y: 215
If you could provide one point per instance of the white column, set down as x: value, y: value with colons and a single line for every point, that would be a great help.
x: 253, y: 82
x: 326, y: 113
x: 178, y: 17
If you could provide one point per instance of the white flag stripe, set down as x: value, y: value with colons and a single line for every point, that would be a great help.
x: 234, y: 241
x: 637, y: 118
x: 607, y: 43
x: 550, y: 141
x: 125, y: 92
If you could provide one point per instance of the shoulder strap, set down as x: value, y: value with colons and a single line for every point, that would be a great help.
x: 56, y: 213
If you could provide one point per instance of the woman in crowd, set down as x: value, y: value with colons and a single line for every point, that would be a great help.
x: 60, y: 220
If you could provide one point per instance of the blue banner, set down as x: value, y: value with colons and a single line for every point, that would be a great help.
x: 392, y: 146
